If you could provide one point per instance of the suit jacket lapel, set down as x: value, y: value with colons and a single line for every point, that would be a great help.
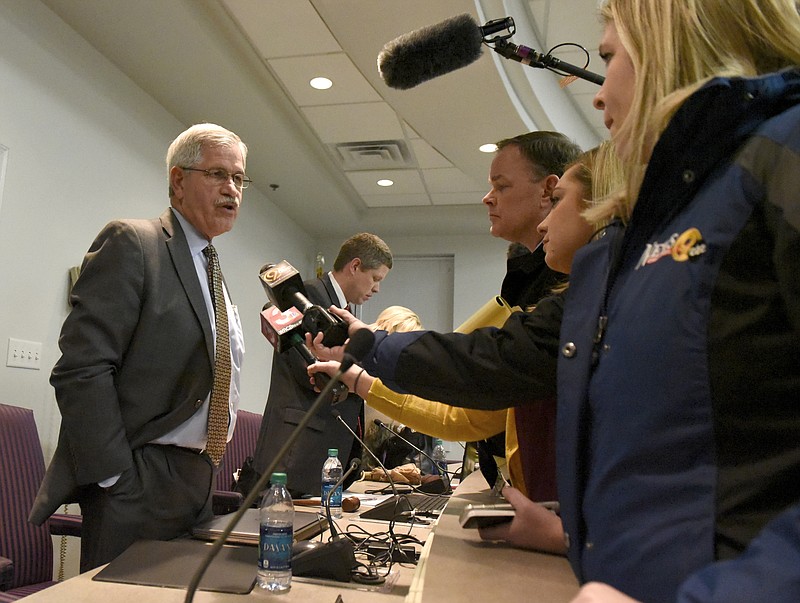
x: 326, y: 280
x: 184, y: 267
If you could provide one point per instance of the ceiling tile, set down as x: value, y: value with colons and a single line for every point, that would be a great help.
x: 354, y: 122
x: 450, y: 180
x: 427, y: 156
x: 410, y: 132
x: 349, y: 86
x: 396, y: 200
x: 466, y: 198
x: 281, y: 28
x: 405, y: 182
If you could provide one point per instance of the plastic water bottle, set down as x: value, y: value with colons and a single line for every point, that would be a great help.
x: 440, y: 458
x: 276, y: 537
x: 332, y: 473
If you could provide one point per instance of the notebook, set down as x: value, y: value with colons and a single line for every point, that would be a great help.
x: 173, y: 563
x: 306, y: 526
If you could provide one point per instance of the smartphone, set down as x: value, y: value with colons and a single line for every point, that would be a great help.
x: 483, y: 516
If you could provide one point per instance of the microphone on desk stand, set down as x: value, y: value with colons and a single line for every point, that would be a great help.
x: 402, y: 505
x: 335, y: 559
x: 341, y: 546
x: 435, y: 486
x: 358, y: 347
x: 339, y: 418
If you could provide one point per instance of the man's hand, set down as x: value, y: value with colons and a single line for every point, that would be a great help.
x: 597, y: 592
x: 533, y: 527
x: 353, y: 324
x: 322, y: 352
x: 329, y: 368
x: 336, y: 352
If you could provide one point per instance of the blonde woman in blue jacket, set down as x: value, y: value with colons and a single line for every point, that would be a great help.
x: 679, y: 375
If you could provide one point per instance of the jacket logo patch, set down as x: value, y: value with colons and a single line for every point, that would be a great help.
x: 688, y: 245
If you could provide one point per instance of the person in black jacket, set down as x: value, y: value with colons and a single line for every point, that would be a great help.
x: 523, y: 175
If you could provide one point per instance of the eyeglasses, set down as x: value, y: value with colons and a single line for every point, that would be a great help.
x: 220, y: 176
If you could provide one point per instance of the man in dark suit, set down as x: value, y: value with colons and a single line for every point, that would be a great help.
x: 363, y: 262
x: 139, y: 351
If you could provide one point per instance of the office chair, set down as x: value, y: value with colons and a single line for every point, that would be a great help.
x: 243, y: 444
x: 26, y: 550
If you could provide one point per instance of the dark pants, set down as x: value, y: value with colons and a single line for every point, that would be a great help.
x: 163, y: 495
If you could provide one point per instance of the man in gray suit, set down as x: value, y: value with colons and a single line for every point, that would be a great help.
x: 363, y: 262
x: 138, y: 359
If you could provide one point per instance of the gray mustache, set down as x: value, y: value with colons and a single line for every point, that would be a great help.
x: 227, y: 201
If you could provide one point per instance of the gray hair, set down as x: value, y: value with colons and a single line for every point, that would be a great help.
x: 187, y: 149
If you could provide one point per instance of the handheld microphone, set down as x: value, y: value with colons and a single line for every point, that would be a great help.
x: 353, y: 466
x: 283, y: 330
x: 339, y: 418
x: 258, y: 487
x: 436, y: 486
x: 285, y: 289
x: 284, y: 286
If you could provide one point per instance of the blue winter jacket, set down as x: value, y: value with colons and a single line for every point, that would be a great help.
x: 679, y: 381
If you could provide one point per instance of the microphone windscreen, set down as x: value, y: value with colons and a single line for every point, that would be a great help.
x: 429, y: 52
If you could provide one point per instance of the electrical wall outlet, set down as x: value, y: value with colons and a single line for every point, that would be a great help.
x: 24, y: 354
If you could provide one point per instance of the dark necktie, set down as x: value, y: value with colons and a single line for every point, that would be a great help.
x: 220, y: 389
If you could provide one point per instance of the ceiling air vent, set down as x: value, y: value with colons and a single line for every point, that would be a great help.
x: 373, y: 155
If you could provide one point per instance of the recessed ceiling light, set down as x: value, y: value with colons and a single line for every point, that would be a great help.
x: 488, y: 148
x: 385, y: 182
x: 321, y: 83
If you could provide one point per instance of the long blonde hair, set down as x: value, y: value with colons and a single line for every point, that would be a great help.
x: 678, y: 45
x: 599, y: 172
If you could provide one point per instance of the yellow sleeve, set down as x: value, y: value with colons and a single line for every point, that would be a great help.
x: 434, y: 418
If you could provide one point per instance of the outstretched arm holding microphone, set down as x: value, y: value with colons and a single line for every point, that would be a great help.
x: 427, y: 416
x: 435, y: 418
